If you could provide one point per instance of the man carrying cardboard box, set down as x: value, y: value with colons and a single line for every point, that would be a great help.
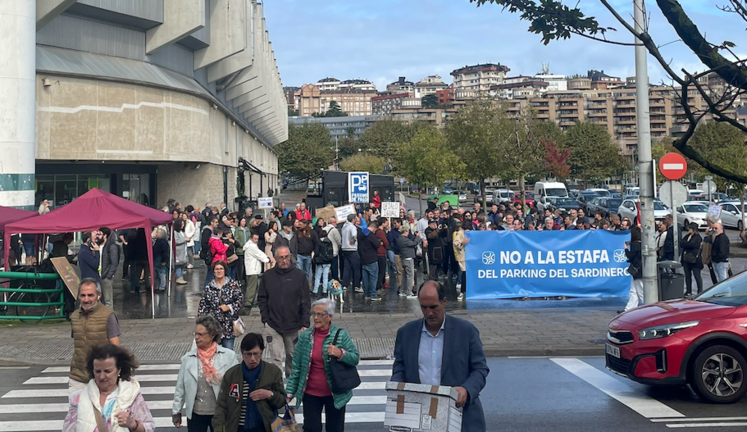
x: 441, y: 350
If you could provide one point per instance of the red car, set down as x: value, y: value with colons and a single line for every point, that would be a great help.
x: 529, y: 198
x: 700, y: 342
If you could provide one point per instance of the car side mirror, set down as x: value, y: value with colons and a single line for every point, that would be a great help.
x: 733, y: 212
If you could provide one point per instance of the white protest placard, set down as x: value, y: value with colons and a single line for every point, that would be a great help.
x: 344, y: 211
x: 714, y: 213
x: 390, y: 209
x: 265, y: 203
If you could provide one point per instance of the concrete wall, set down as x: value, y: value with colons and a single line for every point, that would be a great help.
x: 194, y: 186
x: 86, y: 119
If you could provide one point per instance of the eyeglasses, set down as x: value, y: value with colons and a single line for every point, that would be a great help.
x: 251, y: 354
x: 319, y: 314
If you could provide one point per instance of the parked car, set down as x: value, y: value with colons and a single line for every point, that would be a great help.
x: 599, y: 191
x: 447, y: 190
x: 562, y: 204
x: 700, y: 342
x: 462, y: 196
x: 731, y: 214
x: 692, y: 211
x: 528, y: 196
x: 584, y: 197
x: 501, y: 196
x: 607, y: 205
x: 629, y: 209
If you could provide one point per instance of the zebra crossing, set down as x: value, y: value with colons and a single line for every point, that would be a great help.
x: 41, y: 402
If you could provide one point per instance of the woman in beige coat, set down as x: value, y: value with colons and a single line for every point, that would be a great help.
x: 270, y: 235
x: 460, y: 246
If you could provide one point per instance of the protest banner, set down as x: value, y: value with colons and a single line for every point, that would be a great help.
x: 390, y: 209
x: 508, y: 264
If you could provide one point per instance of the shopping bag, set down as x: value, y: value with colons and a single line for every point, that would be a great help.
x: 286, y: 423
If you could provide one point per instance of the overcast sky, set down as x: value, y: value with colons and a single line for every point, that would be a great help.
x: 381, y: 40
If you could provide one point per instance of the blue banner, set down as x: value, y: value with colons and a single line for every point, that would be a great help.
x: 508, y: 264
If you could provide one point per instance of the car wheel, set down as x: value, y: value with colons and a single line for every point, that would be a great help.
x: 718, y: 375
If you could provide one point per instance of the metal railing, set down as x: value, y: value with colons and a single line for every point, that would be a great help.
x: 29, y: 302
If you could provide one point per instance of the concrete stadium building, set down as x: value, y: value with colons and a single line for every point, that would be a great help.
x: 148, y: 99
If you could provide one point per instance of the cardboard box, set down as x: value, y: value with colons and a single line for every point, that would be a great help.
x: 422, y: 407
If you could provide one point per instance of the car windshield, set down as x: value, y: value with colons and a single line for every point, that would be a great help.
x: 556, y: 192
x: 731, y: 292
x: 603, y: 193
x: 563, y: 201
x: 696, y: 208
x: 613, y: 203
x: 658, y: 205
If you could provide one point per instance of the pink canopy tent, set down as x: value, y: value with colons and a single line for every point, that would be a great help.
x: 89, y: 212
x: 10, y: 215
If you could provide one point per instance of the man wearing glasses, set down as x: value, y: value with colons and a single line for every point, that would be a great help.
x: 443, y: 350
x: 284, y: 303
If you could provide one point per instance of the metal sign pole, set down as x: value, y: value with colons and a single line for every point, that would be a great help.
x: 674, y: 221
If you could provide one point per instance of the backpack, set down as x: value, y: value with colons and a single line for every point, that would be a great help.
x: 325, y: 252
x: 205, y: 253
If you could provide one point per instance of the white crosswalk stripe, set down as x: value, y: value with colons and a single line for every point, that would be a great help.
x: 41, y: 403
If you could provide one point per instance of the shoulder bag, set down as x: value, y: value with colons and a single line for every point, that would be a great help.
x: 344, y: 376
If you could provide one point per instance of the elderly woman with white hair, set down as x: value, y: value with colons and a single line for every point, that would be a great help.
x: 310, y: 380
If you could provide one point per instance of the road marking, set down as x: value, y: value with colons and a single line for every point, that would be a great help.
x: 13, y: 367
x: 705, y: 425
x: 64, y: 379
x: 150, y: 368
x: 623, y: 393
x: 701, y: 419
x: 64, y: 393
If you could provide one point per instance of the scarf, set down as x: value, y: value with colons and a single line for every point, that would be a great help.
x: 212, y: 376
x: 252, y: 416
x: 90, y: 399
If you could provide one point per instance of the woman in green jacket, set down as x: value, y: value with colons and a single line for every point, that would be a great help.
x: 310, y: 380
x: 251, y: 393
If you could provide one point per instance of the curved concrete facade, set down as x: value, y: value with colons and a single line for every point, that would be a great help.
x: 156, y: 99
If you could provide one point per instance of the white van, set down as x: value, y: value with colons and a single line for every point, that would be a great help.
x: 550, y: 189
x: 501, y: 196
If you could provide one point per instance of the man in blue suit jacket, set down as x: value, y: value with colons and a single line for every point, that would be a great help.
x: 441, y: 350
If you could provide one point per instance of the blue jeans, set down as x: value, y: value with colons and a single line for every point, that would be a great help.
x: 198, y: 246
x: 322, y: 275
x: 179, y: 271
x: 722, y: 270
x: 303, y: 262
x: 163, y: 273
x: 370, y: 276
x: 227, y: 342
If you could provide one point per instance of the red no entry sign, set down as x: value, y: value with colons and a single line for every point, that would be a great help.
x: 673, y: 166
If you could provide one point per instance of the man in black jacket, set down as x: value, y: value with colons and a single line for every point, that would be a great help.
x: 669, y: 253
x: 720, y: 252
x: 285, y: 307
x: 109, y: 264
x: 368, y: 245
x: 434, y: 235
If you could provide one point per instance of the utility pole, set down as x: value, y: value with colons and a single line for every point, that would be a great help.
x: 646, y: 167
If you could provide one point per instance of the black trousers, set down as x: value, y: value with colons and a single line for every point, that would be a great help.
x: 352, y: 269
x: 199, y: 423
x: 691, y: 270
x: 312, y: 414
x: 382, y: 271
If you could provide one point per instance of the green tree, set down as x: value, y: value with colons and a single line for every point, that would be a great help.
x: 427, y: 160
x: 594, y: 156
x: 554, y: 20
x: 363, y: 162
x: 523, y: 153
x: 292, y: 112
x: 724, y: 145
x: 385, y: 137
x: 429, y: 101
x: 306, y: 152
x: 478, y: 134
x: 334, y: 110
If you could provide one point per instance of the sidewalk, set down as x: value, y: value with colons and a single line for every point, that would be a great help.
x: 529, y: 332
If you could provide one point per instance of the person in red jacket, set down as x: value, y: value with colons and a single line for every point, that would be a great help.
x: 376, y: 200
x: 217, y: 247
x: 381, y: 251
x: 302, y: 213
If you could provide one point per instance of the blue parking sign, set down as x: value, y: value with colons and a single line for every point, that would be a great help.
x: 358, y: 187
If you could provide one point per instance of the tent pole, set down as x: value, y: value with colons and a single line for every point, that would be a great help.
x: 172, y: 252
x: 149, y: 242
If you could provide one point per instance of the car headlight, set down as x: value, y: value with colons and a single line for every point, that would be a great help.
x: 663, y: 331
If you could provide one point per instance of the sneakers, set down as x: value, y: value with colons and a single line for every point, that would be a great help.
x: 358, y: 290
x: 413, y: 295
x: 459, y: 286
x: 181, y: 281
x: 402, y: 294
x: 190, y: 266
x: 377, y: 298
x: 460, y: 297
x: 385, y: 286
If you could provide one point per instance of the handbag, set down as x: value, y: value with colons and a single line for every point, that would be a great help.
x: 689, y: 257
x: 286, y: 423
x: 231, y: 259
x: 344, y: 377
x: 239, y: 328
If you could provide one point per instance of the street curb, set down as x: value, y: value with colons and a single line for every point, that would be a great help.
x: 593, y: 351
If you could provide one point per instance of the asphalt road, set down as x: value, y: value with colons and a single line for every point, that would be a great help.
x: 522, y: 394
